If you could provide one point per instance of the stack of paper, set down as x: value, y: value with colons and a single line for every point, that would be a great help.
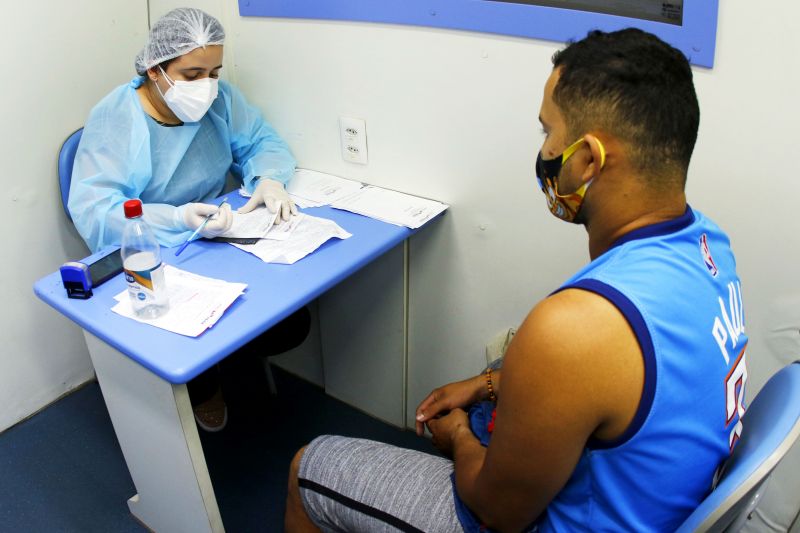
x: 307, y: 234
x: 309, y: 188
x: 255, y: 224
x: 391, y: 206
x: 284, y: 229
x: 195, y: 302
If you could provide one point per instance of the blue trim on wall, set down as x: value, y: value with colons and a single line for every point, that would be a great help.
x: 696, y: 37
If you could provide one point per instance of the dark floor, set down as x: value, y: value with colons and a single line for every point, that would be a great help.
x: 63, y: 471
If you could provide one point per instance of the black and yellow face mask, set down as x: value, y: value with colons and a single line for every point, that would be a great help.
x: 567, y: 206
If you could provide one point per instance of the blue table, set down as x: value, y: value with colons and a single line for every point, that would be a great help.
x: 142, y: 370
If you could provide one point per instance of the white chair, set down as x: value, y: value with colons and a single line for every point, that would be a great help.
x: 771, y: 425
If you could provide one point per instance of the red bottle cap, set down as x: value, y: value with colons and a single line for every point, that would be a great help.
x: 133, y: 208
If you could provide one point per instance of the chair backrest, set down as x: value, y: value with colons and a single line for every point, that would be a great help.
x: 66, y: 158
x: 771, y: 425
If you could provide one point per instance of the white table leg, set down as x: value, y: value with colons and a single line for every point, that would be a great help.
x: 156, y: 430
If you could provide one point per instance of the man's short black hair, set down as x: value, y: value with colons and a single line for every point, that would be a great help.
x: 636, y: 87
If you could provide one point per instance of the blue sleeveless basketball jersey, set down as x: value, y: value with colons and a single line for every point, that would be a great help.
x: 676, y: 284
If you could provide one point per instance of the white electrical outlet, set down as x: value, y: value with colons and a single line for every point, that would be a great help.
x: 497, y: 346
x: 353, y: 132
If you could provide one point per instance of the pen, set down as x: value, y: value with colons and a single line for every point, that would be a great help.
x: 196, y: 232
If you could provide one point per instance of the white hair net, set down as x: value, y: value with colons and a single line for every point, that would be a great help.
x: 177, y: 33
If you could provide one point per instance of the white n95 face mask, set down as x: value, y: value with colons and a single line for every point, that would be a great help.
x: 190, y: 100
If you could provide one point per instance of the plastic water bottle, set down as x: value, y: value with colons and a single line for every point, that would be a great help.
x: 141, y: 260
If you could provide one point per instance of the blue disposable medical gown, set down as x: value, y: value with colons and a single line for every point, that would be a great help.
x: 125, y: 154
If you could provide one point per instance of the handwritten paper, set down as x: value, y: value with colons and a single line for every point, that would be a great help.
x: 255, y: 224
x: 390, y: 206
x: 317, y: 188
x: 308, y: 234
x: 195, y: 302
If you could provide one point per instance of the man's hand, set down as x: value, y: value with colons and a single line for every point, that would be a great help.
x: 446, y: 428
x: 451, y: 396
x: 272, y: 194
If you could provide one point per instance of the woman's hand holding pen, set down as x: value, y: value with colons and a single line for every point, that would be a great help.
x: 195, y: 215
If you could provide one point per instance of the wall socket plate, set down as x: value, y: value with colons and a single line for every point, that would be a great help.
x: 497, y: 345
x: 353, y: 132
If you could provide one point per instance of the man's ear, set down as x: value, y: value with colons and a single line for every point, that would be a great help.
x: 598, y: 160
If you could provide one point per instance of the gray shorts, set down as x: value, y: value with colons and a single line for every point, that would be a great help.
x: 362, y: 485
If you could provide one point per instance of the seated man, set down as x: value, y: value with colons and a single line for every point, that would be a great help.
x: 622, y: 392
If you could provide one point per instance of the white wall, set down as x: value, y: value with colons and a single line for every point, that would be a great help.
x: 437, y: 126
x: 60, y: 59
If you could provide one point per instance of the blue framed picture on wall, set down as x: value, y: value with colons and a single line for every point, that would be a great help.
x: 689, y: 25
x: 670, y: 12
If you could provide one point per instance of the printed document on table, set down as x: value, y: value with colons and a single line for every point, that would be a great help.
x: 256, y: 223
x: 195, y: 302
x: 309, y: 188
x: 391, y: 206
x: 282, y: 231
x: 308, y: 235
x: 318, y: 188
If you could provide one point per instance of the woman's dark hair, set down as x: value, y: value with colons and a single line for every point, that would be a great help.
x: 636, y: 87
x: 165, y: 64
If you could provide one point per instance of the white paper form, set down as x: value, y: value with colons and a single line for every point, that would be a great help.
x: 255, y: 224
x: 393, y: 207
x: 309, y: 234
x: 298, y: 201
x: 309, y: 188
x: 320, y: 188
x: 195, y: 302
x: 282, y: 231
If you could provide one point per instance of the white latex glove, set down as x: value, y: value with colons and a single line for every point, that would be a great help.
x: 195, y: 214
x: 272, y: 194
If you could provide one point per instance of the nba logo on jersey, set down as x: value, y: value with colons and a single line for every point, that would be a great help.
x: 707, y: 259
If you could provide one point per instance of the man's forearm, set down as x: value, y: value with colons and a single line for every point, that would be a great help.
x: 486, y: 503
x: 468, y: 457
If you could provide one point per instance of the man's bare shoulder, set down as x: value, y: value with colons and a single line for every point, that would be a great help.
x: 579, y: 347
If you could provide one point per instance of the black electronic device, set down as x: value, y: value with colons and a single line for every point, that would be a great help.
x: 80, y: 278
x: 105, y: 268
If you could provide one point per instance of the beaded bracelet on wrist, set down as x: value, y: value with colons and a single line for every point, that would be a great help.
x: 490, y: 385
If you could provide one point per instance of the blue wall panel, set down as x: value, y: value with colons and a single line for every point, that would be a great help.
x: 696, y: 37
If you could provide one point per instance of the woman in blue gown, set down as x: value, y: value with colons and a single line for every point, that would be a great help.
x: 171, y: 137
